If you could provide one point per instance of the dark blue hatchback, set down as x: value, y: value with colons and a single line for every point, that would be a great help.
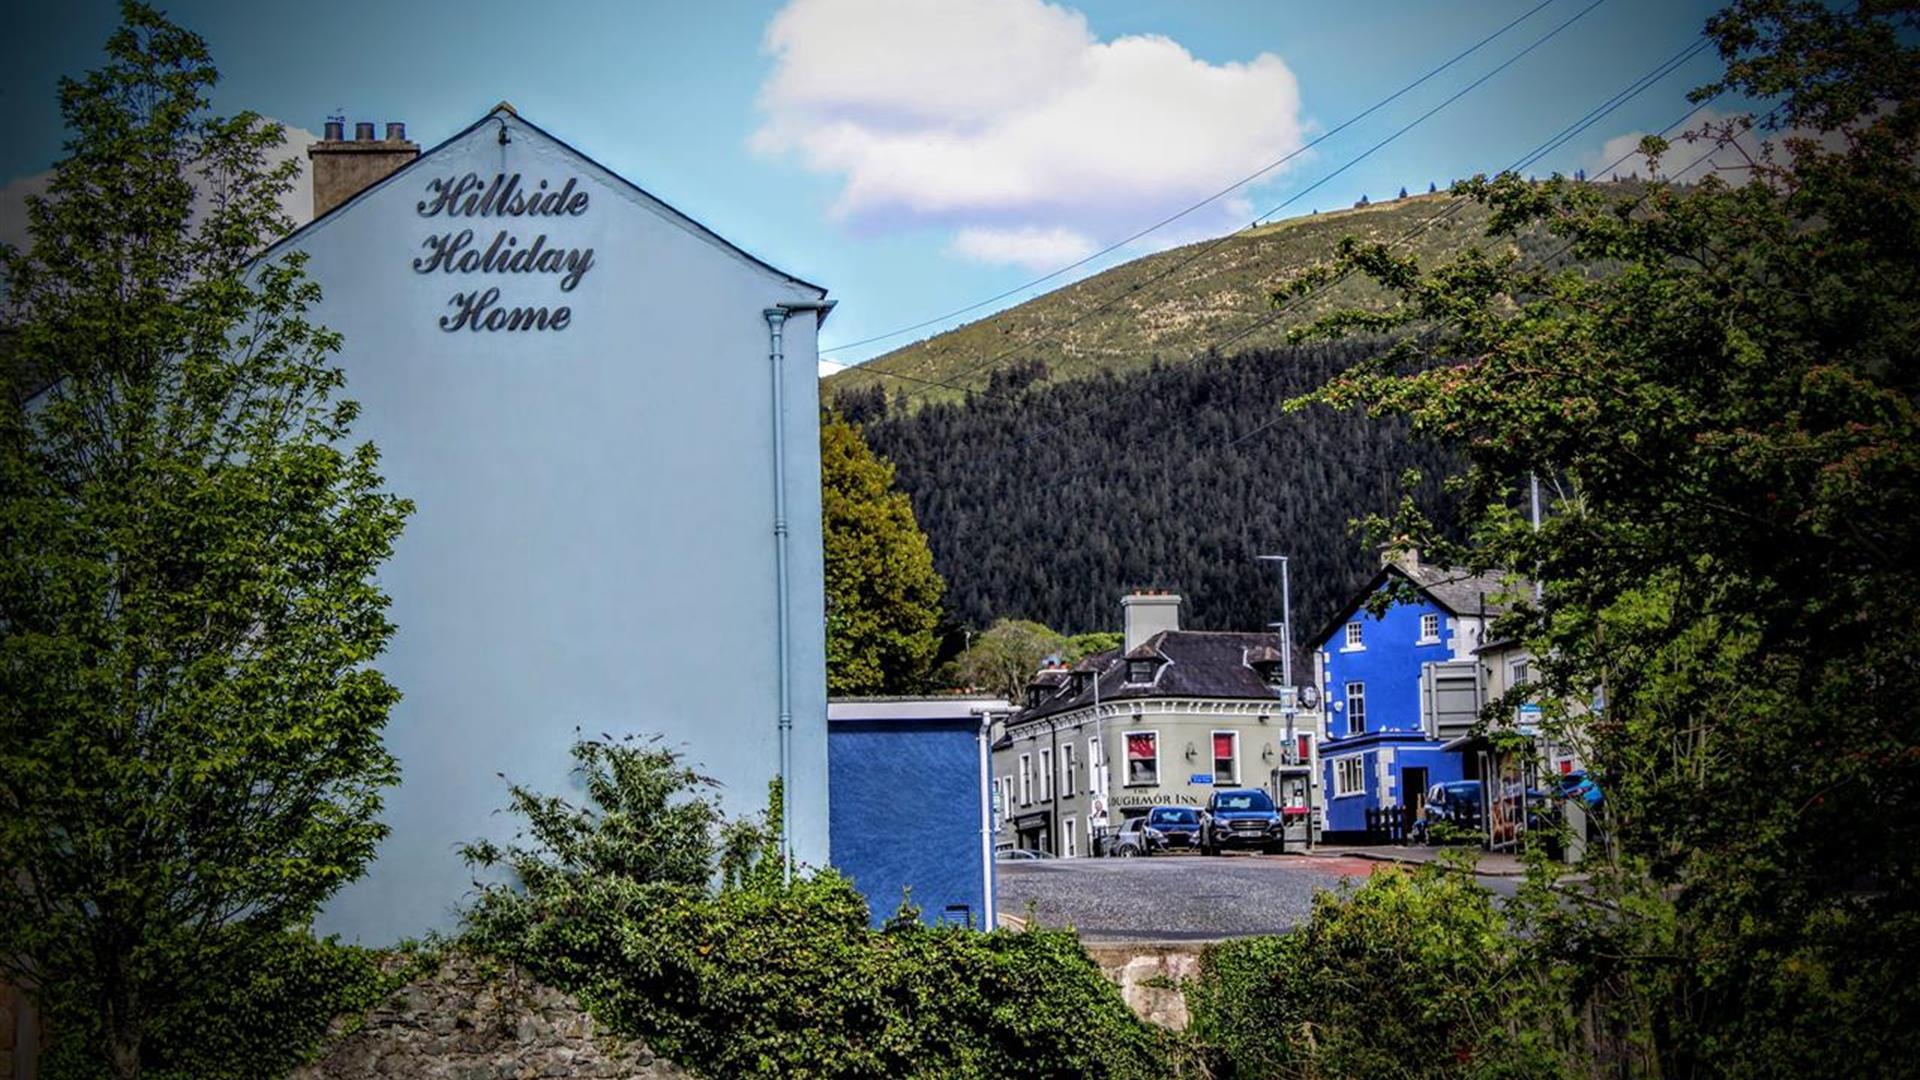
x: 1178, y: 826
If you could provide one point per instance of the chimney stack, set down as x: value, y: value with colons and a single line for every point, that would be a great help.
x: 343, y: 168
x: 1146, y: 614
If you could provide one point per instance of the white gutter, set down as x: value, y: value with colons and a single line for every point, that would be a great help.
x: 776, y: 317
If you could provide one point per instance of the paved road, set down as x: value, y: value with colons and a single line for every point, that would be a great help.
x: 1178, y: 897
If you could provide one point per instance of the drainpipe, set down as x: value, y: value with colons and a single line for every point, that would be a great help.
x: 984, y: 738
x: 776, y: 317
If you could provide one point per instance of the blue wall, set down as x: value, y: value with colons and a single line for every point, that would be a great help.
x: 906, y: 812
x: 1388, y: 664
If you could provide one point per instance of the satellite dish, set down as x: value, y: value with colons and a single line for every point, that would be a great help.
x: 1309, y: 697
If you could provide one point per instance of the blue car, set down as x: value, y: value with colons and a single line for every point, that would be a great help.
x: 1241, y: 817
x: 1177, y: 826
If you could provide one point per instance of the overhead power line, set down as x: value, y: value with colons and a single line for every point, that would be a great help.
x: 1593, y: 116
x: 1216, y: 196
x: 1202, y: 250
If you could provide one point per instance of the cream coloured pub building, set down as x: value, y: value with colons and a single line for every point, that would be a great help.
x: 1165, y: 720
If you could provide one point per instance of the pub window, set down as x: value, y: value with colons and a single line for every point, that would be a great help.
x: 1350, y: 775
x: 1046, y: 775
x: 1070, y: 831
x: 1139, y: 671
x: 1095, y: 782
x: 1026, y: 779
x: 1356, y: 708
x: 1143, y: 757
x: 1226, y: 757
x: 1353, y: 636
x: 1067, y: 766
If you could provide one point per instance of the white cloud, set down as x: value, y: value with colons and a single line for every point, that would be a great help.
x: 1693, y: 155
x: 828, y: 367
x: 1031, y: 246
x: 1010, y: 118
x: 296, y: 203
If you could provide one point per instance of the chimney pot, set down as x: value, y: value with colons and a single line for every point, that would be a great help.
x: 336, y: 130
x: 396, y: 132
x: 363, y: 131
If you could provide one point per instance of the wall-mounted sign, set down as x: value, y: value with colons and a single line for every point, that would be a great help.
x: 503, y: 249
x: 1155, y: 800
x: 1200, y: 778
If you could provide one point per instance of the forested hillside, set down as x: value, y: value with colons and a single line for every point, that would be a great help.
x: 1045, y: 500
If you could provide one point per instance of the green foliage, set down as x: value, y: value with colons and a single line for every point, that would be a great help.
x: 746, y: 975
x: 263, y: 1010
x: 189, y: 722
x: 1050, y: 501
x: 883, y: 595
x: 1720, y: 404
x: 1002, y: 660
x: 1410, y: 975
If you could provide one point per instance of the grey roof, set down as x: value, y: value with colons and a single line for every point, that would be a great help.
x: 1458, y: 591
x: 1200, y: 664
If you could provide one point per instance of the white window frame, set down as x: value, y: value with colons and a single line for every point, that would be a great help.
x: 1094, y: 778
x: 1130, y: 781
x: 1429, y: 628
x: 1070, y: 832
x: 1067, y: 766
x: 1233, y: 778
x: 1355, y: 641
x: 1026, y: 779
x: 1519, y: 672
x: 1349, y: 776
x: 1046, y: 775
x: 1356, y: 692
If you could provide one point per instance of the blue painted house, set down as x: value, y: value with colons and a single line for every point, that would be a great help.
x: 910, y: 804
x: 1399, y: 687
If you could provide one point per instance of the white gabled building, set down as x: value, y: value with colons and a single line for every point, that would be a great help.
x: 572, y: 382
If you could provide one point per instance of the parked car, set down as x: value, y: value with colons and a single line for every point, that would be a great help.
x: 1135, y: 838
x: 1020, y: 854
x: 1241, y: 817
x: 1458, y: 803
x: 1178, y: 826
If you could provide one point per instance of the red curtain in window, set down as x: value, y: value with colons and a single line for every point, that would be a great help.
x: 1222, y: 746
x: 1140, y: 746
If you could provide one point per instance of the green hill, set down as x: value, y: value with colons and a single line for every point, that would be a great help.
x: 1166, y: 306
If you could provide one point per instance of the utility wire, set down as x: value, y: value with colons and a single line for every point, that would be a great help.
x: 1719, y: 144
x: 1202, y: 250
x: 1223, y: 192
x: 1457, y: 203
x: 1593, y: 116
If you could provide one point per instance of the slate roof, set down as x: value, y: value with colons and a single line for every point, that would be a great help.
x: 1197, y: 664
x: 1459, y: 592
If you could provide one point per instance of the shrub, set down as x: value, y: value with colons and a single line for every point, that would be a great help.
x: 724, y: 966
x: 1413, y: 975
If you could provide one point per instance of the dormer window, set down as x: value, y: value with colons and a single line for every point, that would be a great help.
x: 1140, y: 671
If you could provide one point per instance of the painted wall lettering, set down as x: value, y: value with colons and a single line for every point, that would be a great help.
x: 464, y: 251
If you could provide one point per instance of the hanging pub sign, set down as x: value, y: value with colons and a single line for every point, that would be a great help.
x: 507, y: 238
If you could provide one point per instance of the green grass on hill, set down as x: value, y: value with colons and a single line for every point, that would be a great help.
x: 1137, y: 315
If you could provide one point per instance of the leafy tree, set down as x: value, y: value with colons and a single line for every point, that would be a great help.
x: 883, y: 594
x: 1082, y: 645
x: 190, y: 752
x: 1720, y: 403
x: 1002, y: 660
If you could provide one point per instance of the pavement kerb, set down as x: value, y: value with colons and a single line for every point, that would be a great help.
x: 1407, y: 859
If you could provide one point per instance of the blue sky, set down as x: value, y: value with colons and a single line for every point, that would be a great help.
x: 914, y: 156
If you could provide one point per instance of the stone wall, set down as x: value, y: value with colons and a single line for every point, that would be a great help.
x: 1149, y: 976
x: 474, y: 1021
